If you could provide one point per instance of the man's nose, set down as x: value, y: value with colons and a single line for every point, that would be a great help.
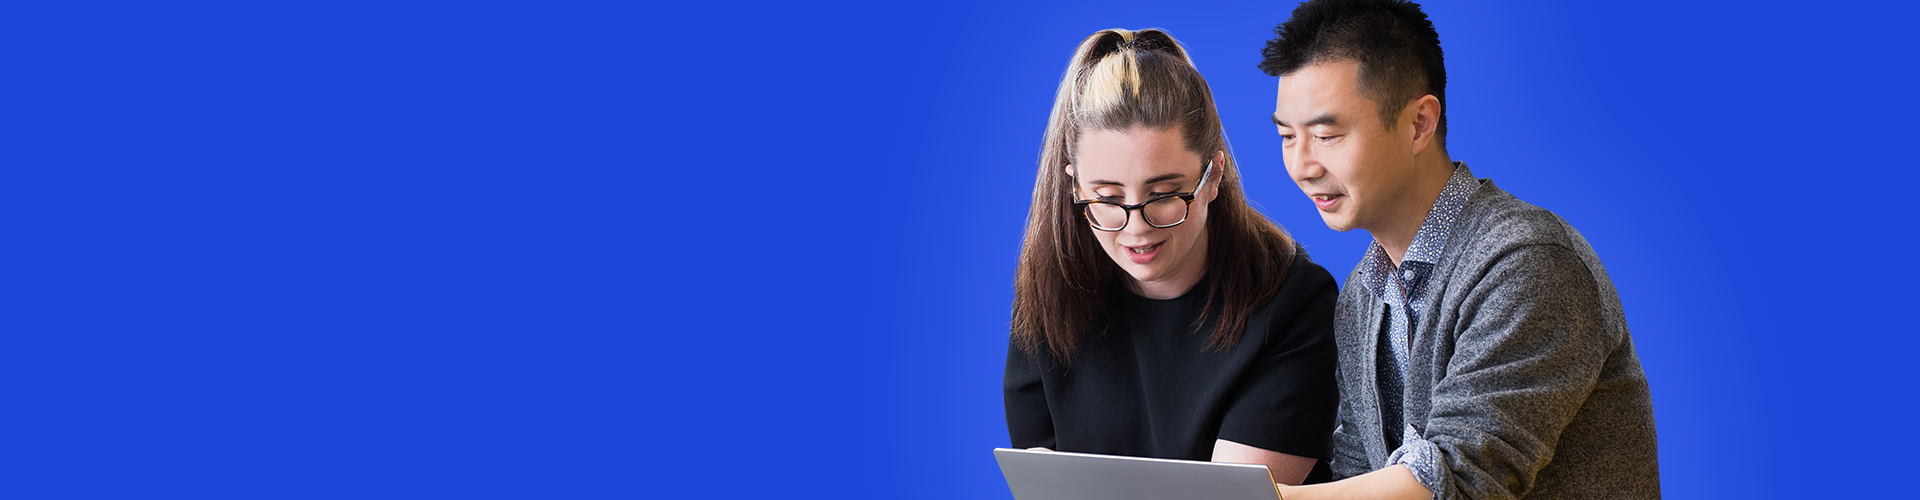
x: 1301, y: 163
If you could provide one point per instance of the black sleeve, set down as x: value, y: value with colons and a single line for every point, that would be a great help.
x: 1289, y: 397
x: 1029, y: 423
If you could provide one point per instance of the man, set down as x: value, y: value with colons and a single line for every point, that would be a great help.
x: 1483, y: 351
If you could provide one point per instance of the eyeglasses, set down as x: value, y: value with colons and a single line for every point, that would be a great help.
x: 1162, y: 211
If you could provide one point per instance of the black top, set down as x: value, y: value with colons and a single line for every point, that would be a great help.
x: 1149, y: 387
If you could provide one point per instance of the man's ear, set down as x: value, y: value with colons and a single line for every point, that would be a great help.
x: 1425, y: 118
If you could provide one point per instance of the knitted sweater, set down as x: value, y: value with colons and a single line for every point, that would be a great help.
x: 1522, y: 371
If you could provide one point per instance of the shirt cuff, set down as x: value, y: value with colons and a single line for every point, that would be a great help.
x: 1422, y: 457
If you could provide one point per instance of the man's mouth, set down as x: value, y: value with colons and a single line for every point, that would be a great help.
x: 1326, y: 201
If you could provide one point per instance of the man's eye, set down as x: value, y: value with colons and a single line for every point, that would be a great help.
x: 1286, y: 137
x: 1328, y: 138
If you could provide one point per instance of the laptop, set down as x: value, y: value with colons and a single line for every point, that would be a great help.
x: 1056, y: 475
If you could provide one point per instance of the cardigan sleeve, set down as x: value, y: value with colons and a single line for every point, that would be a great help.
x: 1529, y: 345
x: 1349, y: 452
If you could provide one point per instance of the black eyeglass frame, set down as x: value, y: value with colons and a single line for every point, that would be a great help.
x: 1185, y: 197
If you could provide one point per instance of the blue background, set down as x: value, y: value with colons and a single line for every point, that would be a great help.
x: 614, y: 250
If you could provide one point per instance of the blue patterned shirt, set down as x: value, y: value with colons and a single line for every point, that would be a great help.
x: 1404, y: 290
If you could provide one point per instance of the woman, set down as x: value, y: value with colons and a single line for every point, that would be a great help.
x: 1155, y: 313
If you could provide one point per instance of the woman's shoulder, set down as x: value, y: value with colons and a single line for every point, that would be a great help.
x: 1306, y: 276
x: 1305, y: 299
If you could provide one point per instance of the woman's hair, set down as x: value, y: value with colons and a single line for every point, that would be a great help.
x: 1119, y: 80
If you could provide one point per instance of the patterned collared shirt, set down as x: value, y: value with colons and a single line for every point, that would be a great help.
x: 1404, y: 291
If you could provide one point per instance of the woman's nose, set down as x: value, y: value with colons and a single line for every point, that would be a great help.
x: 1137, y: 222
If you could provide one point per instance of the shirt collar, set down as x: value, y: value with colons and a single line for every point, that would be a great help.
x: 1429, y: 240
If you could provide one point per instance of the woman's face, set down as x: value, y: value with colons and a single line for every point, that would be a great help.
x: 1131, y: 167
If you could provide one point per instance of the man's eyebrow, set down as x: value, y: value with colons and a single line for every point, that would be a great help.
x: 1318, y: 120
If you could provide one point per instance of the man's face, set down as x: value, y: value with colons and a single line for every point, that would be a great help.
x: 1338, y: 151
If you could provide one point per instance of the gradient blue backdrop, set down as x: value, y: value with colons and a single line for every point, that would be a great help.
x: 738, y: 250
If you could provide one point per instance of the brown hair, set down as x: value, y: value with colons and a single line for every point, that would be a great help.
x: 1118, y: 80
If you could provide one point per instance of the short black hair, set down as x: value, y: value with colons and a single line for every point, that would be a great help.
x: 1394, y: 42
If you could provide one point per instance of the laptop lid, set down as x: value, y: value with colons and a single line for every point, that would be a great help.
x: 1054, y: 475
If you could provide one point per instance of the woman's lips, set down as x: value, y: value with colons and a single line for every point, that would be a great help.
x: 1327, y: 201
x: 1144, y: 253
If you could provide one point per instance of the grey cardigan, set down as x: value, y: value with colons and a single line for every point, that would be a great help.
x: 1522, y: 371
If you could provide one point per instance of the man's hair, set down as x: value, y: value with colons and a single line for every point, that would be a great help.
x: 1394, y: 42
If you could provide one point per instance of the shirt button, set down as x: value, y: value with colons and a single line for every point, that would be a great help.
x: 1408, y: 274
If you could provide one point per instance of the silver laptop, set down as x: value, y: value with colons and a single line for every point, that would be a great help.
x: 1055, y: 475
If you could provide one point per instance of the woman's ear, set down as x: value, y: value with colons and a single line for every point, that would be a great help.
x: 1072, y: 186
x: 1218, y: 175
